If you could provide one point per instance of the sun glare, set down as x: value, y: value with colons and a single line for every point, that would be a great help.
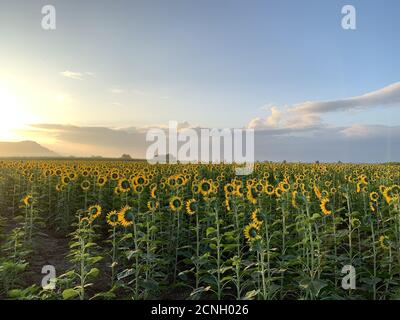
x: 12, y: 117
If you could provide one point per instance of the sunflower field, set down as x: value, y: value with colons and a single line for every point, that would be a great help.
x: 132, y: 230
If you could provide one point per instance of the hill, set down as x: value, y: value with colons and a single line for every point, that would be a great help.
x: 25, y: 149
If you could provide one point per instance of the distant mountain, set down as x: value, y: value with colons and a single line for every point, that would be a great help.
x: 25, y: 149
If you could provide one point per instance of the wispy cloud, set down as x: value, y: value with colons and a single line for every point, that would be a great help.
x: 76, y: 75
x: 116, y: 90
x: 387, y: 96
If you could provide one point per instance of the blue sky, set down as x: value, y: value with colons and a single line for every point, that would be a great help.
x: 210, y: 63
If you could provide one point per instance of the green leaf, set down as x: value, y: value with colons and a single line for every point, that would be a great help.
x: 69, y: 294
x: 210, y: 230
x: 250, y: 295
x: 15, y: 293
x: 93, y: 273
x: 150, y: 284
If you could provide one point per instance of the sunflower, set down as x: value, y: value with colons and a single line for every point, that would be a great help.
x: 195, y: 188
x: 384, y: 242
x: 126, y: 216
x: 73, y: 176
x: 278, y: 192
x: 387, y: 195
x: 205, y: 187
x: 324, y: 208
x: 269, y: 190
x: 328, y: 183
x: 94, y: 211
x: 374, y: 196
x: 294, y: 202
x: 239, y: 191
x: 65, y: 180
x: 317, y: 192
x: 112, y: 218
x: 252, y: 195
x: 171, y: 181
x: 191, y: 206
x: 85, y: 185
x: 259, y: 187
x: 227, y: 204
x: 101, y: 181
x: 124, y: 185
x: 285, y: 186
x: 229, y: 188
x: 152, y: 205
x: 175, y: 203
x: 140, y: 180
x: 180, y: 180
x: 257, y: 216
x: 373, y: 205
x: 361, y: 187
x: 85, y: 221
x: 324, y: 194
x: 251, y: 232
x: 115, y: 175
x: 28, y: 200
x: 138, y: 188
x: 153, y: 192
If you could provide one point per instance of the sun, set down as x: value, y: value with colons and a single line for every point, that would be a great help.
x: 12, y: 115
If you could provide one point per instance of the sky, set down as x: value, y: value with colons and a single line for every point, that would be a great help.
x: 311, y: 89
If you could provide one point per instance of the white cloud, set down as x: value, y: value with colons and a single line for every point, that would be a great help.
x: 307, y: 115
x: 72, y: 75
x: 117, y: 90
x: 283, y: 121
x: 387, y: 96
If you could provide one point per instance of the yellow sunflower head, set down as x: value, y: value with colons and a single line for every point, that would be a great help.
x: 85, y: 185
x: 269, y: 190
x: 65, y: 180
x: 384, y: 242
x: 374, y: 196
x: 101, y: 181
x: 191, y: 207
x: 115, y: 175
x: 85, y: 222
x: 324, y: 208
x: 153, y: 192
x: 126, y: 216
x: 257, y: 216
x: 112, y: 218
x: 205, y: 187
x: 153, y: 205
x: 124, y: 185
x: 28, y: 200
x: 138, y: 188
x: 251, y: 232
x: 94, y: 211
x: 175, y: 203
